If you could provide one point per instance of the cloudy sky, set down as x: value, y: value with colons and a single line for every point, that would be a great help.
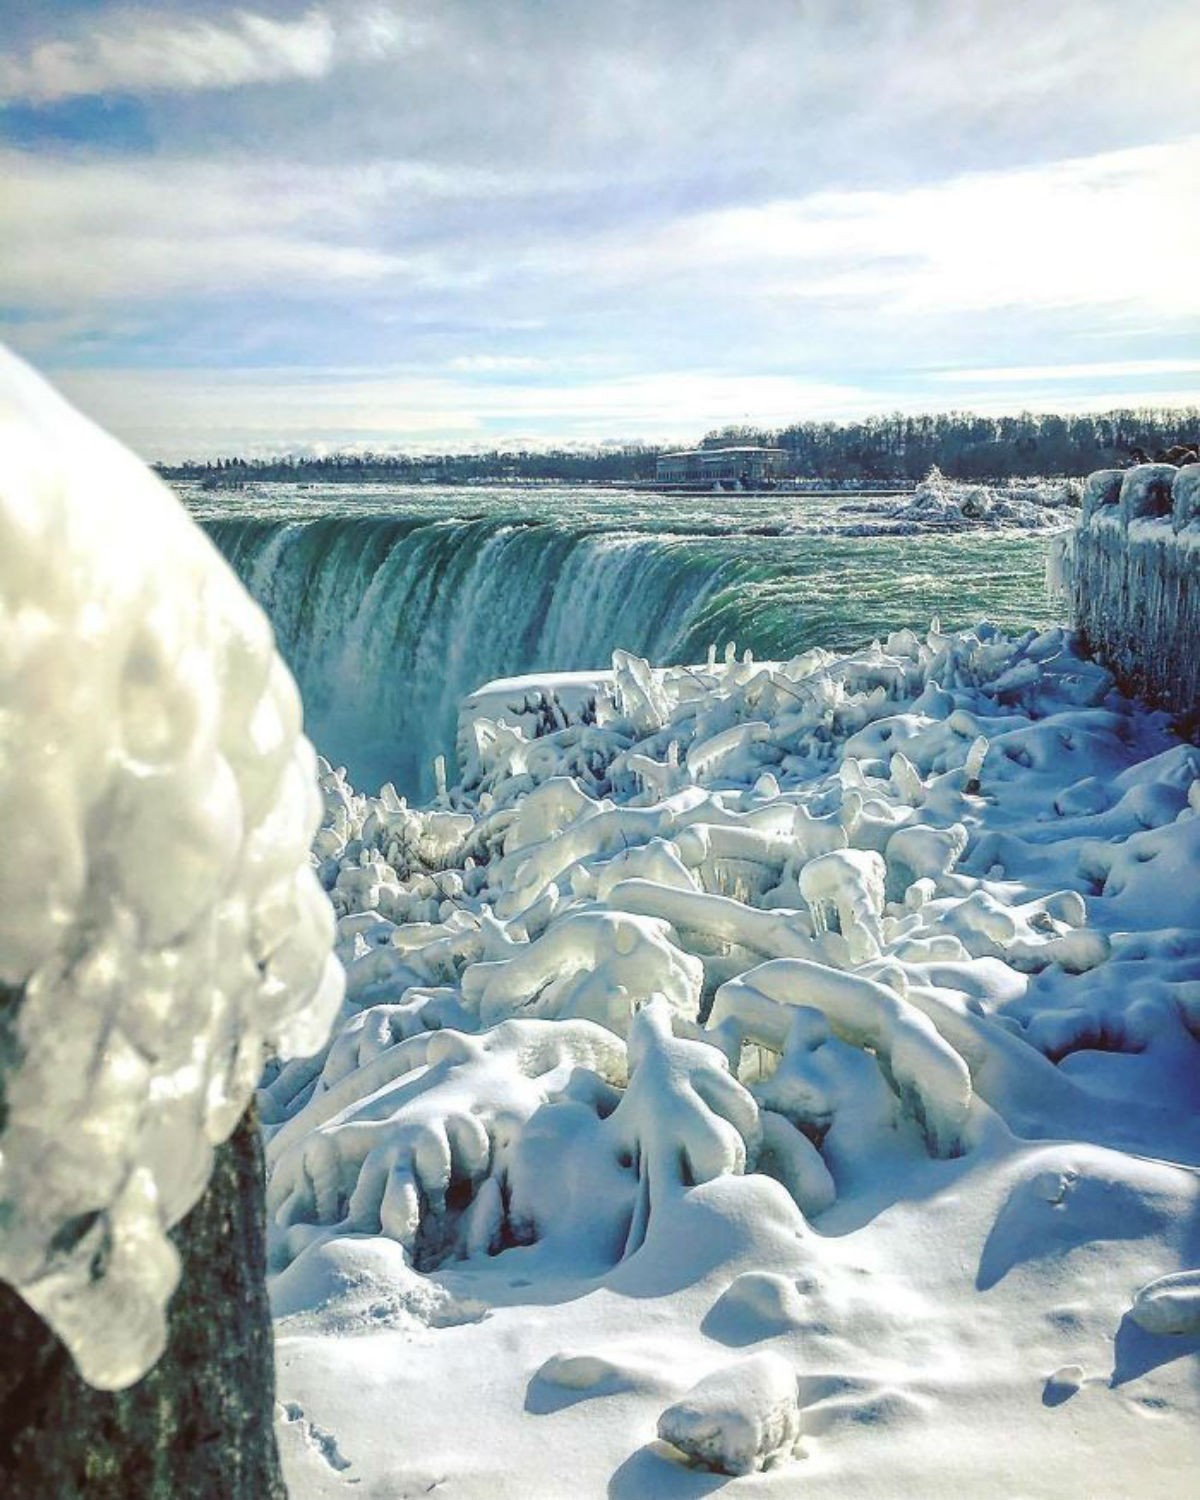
x: 450, y: 223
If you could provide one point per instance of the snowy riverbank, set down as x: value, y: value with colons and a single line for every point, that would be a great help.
x: 745, y: 1051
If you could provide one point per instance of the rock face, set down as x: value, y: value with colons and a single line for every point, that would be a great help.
x: 200, y: 1425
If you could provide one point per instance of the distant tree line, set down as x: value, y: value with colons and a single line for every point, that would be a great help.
x: 630, y: 462
x: 893, y: 447
x: 966, y: 446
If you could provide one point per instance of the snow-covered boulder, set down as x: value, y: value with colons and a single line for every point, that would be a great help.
x: 1185, y: 497
x: 1101, y: 491
x: 742, y: 1417
x: 1169, y: 1305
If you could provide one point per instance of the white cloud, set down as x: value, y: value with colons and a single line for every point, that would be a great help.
x: 535, y: 193
x: 78, y: 233
x: 173, y: 414
x: 138, y: 52
x: 1099, y: 231
x: 180, y: 412
x: 1094, y: 370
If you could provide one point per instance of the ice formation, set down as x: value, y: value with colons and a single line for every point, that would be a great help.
x: 943, y: 504
x: 1132, y: 574
x: 160, y: 925
x: 735, y: 1003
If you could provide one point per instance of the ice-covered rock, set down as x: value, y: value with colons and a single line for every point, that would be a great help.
x: 1169, y: 1305
x: 592, y: 964
x: 1101, y: 491
x: 939, y: 503
x: 1130, y: 575
x: 683, y: 1120
x: 160, y: 927
x: 846, y: 885
x: 378, y: 1150
x: 1146, y: 492
x: 1185, y: 498
x: 742, y: 1417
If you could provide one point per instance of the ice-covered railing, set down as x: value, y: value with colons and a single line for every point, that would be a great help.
x: 1131, y: 570
x: 160, y: 925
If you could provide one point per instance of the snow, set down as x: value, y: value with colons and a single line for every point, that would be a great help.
x: 740, y: 1418
x: 784, y: 1069
x: 940, y: 503
x: 1131, y: 574
x: 160, y: 926
x: 758, y: 1065
x: 1169, y: 1305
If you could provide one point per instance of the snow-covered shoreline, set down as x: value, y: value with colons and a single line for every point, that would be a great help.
x: 751, y: 1049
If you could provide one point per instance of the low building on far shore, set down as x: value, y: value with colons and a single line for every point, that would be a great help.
x: 747, y: 465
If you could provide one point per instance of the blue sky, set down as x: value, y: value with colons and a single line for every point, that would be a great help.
x: 453, y: 223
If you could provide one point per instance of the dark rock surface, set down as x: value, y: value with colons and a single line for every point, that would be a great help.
x: 200, y: 1425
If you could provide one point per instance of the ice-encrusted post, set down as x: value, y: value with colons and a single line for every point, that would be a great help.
x: 201, y: 1423
x: 1131, y: 574
x: 161, y: 930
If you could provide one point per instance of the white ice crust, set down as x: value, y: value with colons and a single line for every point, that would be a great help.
x: 160, y: 926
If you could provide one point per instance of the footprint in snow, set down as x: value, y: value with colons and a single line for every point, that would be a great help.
x: 322, y: 1442
x: 1062, y: 1385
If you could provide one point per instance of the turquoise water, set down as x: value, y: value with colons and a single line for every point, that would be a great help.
x: 392, y: 603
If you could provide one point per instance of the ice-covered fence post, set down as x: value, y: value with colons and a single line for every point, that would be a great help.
x: 1131, y: 572
x: 160, y: 930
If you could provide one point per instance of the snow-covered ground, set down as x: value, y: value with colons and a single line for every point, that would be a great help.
x: 787, y: 1065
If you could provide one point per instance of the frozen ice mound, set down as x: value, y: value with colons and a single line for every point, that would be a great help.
x: 768, y: 874
x: 939, y: 503
x: 1169, y: 1305
x: 742, y: 1417
x: 446, y: 1142
x: 160, y: 926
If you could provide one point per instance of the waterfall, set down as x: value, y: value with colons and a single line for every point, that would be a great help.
x: 387, y: 623
x: 387, y: 620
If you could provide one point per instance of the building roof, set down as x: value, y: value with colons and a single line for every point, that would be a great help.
x: 718, y: 452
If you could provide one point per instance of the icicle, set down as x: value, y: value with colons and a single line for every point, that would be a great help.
x: 973, y: 765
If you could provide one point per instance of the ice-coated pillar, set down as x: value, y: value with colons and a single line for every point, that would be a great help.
x: 1132, y: 573
x: 160, y: 927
